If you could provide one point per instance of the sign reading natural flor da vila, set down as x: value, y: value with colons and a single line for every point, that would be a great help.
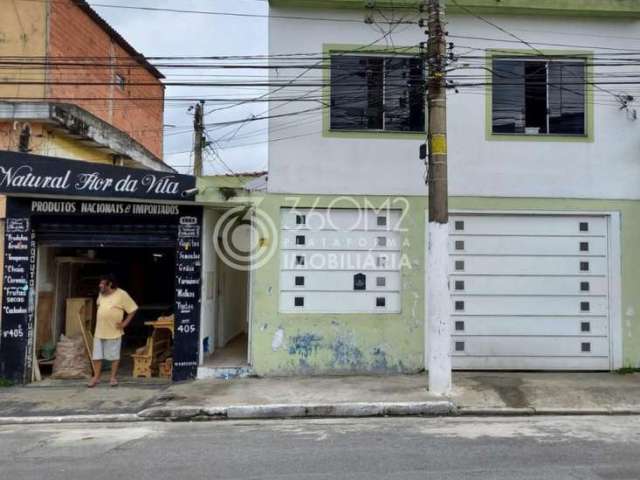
x: 25, y: 173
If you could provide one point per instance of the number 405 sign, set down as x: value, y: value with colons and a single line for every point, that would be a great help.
x: 187, y: 328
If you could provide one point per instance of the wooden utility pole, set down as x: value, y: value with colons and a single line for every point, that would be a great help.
x: 438, y: 328
x: 198, y: 139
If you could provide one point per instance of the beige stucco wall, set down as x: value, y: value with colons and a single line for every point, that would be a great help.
x: 23, y: 33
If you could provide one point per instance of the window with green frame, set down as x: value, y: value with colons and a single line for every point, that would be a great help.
x: 539, y: 96
x: 377, y: 93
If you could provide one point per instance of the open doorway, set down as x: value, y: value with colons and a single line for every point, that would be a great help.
x: 67, y: 289
x: 226, y: 300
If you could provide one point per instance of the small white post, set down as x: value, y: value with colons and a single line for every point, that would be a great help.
x: 438, y: 328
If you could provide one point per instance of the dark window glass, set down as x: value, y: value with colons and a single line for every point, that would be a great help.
x: 508, y: 96
x: 377, y: 93
x: 535, y: 94
x: 538, y: 97
x: 566, y: 98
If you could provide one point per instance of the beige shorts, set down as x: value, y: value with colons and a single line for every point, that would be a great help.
x: 106, y: 349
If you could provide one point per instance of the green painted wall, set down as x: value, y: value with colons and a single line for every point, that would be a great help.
x: 325, y: 343
x: 389, y: 343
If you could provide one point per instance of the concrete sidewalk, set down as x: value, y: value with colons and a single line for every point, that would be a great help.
x: 477, y: 393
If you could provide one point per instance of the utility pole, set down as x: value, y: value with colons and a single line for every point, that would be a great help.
x: 198, y: 139
x: 438, y: 328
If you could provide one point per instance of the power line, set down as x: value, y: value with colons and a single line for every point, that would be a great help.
x: 216, y: 13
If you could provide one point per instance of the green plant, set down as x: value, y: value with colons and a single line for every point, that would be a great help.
x: 627, y: 370
x: 5, y: 383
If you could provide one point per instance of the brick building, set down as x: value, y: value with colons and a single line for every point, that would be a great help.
x: 72, y: 87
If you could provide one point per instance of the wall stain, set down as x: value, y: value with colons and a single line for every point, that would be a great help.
x: 380, y: 360
x: 346, y: 354
x: 304, y: 345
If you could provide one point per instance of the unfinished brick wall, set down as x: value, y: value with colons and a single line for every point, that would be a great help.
x: 136, y: 110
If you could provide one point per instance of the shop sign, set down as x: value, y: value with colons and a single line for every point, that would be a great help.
x: 188, y: 268
x: 35, y: 174
x: 18, y: 298
x: 66, y: 207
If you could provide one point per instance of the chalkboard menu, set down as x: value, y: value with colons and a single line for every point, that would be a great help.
x: 18, y: 298
x: 188, y: 268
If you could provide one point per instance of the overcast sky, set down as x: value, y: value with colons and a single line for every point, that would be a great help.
x: 175, y: 34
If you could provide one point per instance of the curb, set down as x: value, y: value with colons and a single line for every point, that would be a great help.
x: 242, y: 412
x: 439, y: 408
x: 97, y: 418
x: 545, y: 411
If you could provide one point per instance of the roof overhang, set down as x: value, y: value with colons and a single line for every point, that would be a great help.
x: 85, y: 128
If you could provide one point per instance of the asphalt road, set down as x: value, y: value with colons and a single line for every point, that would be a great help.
x: 392, y: 448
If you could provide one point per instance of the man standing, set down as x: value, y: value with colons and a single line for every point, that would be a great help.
x: 116, y: 309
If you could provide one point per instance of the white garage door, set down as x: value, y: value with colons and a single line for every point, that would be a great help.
x: 530, y: 292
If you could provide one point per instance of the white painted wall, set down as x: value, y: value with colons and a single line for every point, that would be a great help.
x: 309, y: 163
x: 232, y: 292
x: 208, y: 307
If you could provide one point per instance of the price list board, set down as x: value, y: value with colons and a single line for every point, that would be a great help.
x: 188, y: 292
x: 18, y: 296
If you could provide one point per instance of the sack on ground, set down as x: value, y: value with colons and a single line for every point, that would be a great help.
x: 71, y: 360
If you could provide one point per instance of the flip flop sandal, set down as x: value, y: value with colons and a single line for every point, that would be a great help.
x: 114, y: 384
x: 93, y: 384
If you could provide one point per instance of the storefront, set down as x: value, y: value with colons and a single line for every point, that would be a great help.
x: 67, y: 223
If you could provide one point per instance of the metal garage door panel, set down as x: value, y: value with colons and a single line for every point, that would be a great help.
x: 531, y: 363
x: 330, y: 240
x: 519, y: 245
x: 347, y: 302
x: 519, y: 284
x: 540, y: 285
x: 496, y: 265
x: 528, y: 305
x: 532, y: 346
x: 537, y: 225
x: 340, y: 260
x: 522, y: 326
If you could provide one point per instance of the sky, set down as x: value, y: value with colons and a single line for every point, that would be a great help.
x: 187, y: 34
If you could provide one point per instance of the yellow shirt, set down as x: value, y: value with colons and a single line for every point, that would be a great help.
x: 111, y: 310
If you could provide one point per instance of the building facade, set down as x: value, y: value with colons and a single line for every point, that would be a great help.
x: 84, y: 187
x: 543, y: 184
x: 68, y: 223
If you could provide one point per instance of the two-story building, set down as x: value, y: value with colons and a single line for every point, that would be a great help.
x: 544, y: 182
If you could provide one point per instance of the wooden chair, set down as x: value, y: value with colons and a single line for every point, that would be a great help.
x: 146, y: 359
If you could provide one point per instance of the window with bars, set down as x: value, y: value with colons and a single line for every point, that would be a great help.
x: 539, y: 96
x: 377, y: 93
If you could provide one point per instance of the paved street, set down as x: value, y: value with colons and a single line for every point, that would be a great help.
x: 394, y: 448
